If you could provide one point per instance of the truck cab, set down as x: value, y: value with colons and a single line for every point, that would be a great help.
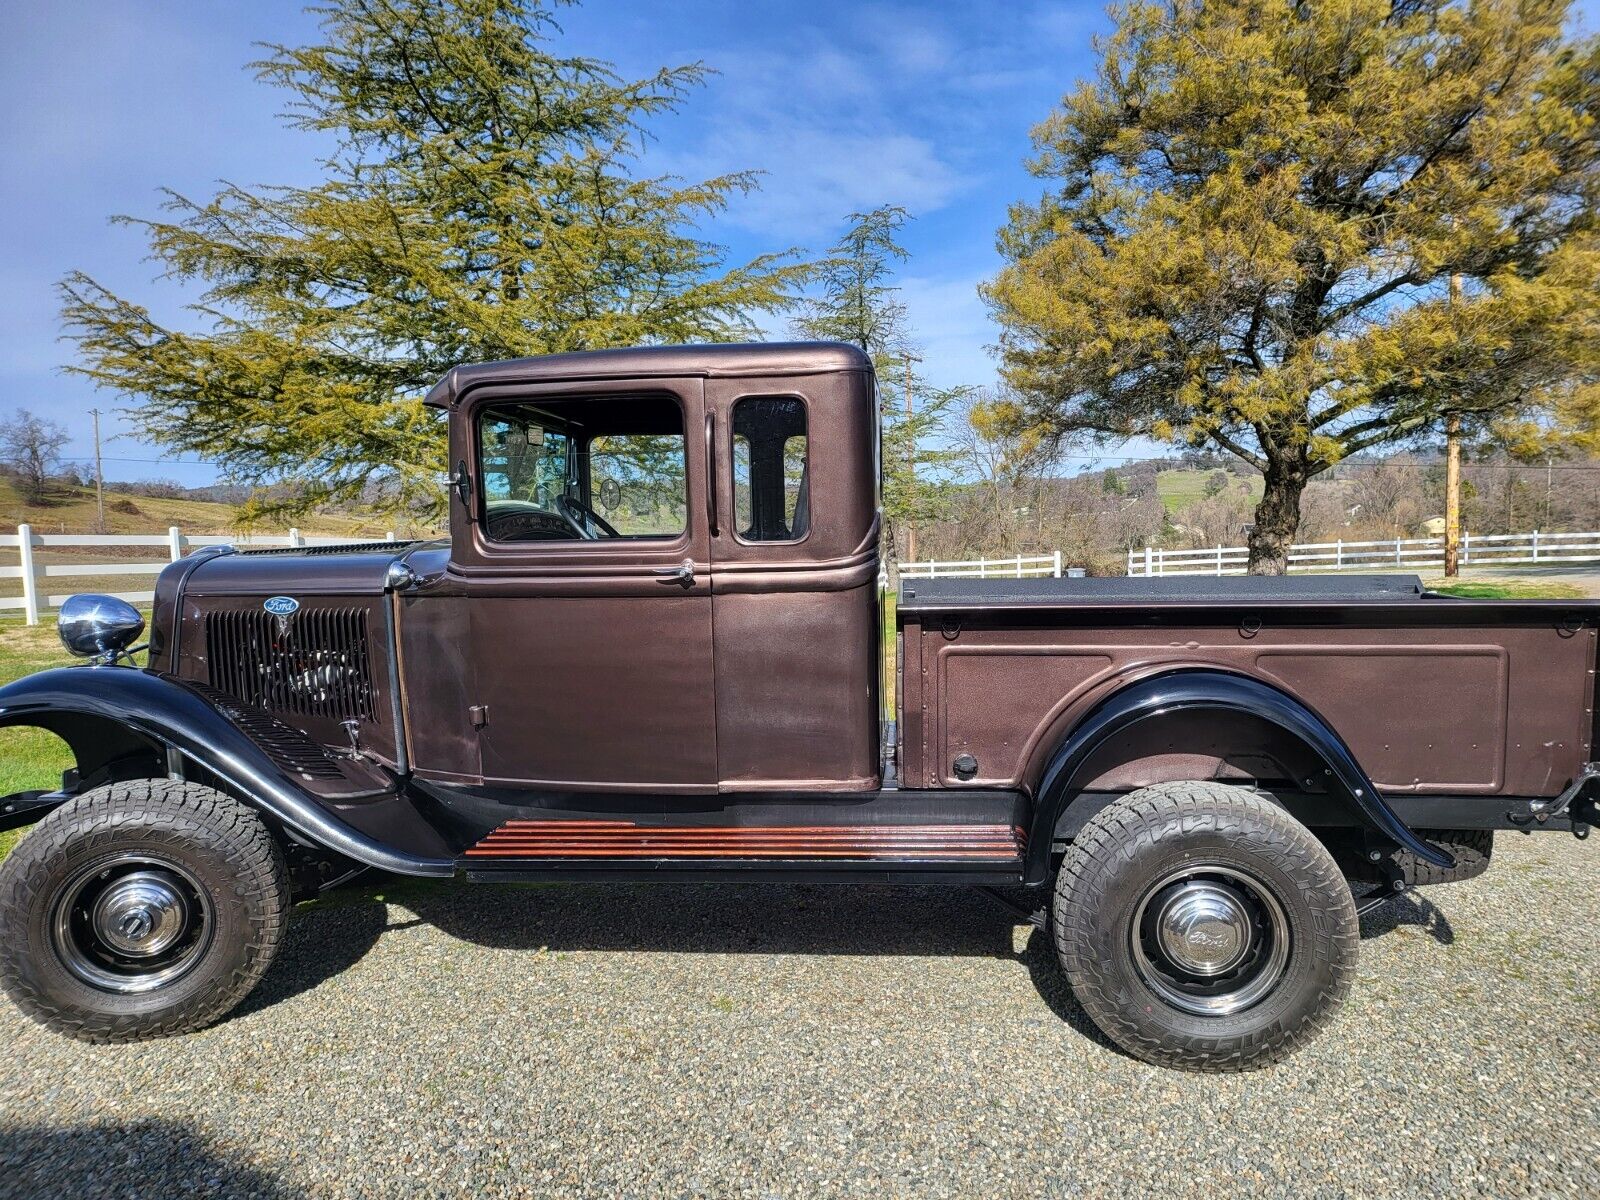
x: 666, y: 565
x: 652, y: 648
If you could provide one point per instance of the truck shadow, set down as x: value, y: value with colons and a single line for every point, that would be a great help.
x: 336, y: 932
x: 125, y: 1158
x: 333, y: 934
x: 321, y: 942
x: 1410, y: 908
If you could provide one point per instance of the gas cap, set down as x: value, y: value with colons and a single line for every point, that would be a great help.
x: 965, y: 766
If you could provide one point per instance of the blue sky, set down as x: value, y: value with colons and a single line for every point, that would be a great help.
x: 843, y: 105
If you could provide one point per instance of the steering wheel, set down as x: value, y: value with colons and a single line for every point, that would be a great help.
x: 584, y: 519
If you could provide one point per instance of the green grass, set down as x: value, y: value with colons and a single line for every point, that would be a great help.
x: 1507, y: 589
x: 1179, y: 489
x: 29, y: 758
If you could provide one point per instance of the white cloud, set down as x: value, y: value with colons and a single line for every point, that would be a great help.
x: 815, y: 176
x: 907, y: 40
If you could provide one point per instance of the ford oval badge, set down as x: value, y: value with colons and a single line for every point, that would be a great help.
x: 281, y: 606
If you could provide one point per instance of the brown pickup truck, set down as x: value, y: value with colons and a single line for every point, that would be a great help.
x: 650, y: 649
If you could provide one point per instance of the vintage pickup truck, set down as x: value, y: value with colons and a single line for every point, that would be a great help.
x: 650, y: 650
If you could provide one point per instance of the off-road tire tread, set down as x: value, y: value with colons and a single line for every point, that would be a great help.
x: 183, y: 814
x: 1136, y: 818
x: 1472, y: 849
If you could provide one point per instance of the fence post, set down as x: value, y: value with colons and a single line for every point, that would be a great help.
x: 175, y: 543
x: 983, y: 568
x: 1466, y: 547
x: 30, y: 575
x: 1058, y: 565
x: 1338, y: 555
x: 1149, y: 554
x: 1535, y: 545
x: 295, y: 539
x: 389, y: 537
x: 1219, y: 560
x: 1397, y: 552
x: 1019, y: 566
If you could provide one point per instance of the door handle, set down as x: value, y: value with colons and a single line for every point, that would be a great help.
x: 682, y: 574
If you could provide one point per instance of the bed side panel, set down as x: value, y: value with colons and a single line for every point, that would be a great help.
x: 1467, y: 708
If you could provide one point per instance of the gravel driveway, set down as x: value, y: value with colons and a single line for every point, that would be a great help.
x: 686, y: 1040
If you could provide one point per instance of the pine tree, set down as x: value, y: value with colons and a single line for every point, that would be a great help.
x: 1255, y: 218
x: 858, y: 303
x: 484, y: 201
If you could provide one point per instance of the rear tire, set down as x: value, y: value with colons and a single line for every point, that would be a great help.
x: 139, y: 910
x: 1202, y: 927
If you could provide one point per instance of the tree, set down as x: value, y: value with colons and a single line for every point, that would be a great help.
x: 1255, y: 214
x: 858, y: 303
x: 31, y: 446
x: 484, y: 200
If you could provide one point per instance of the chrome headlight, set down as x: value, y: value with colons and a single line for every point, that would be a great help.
x: 91, y: 626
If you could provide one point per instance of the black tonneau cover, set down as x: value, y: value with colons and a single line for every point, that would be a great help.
x: 943, y: 594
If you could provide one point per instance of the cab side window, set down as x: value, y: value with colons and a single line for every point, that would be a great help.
x: 597, y: 468
x: 771, y: 473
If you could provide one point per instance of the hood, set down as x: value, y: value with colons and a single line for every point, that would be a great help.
x: 349, y: 570
x: 356, y: 570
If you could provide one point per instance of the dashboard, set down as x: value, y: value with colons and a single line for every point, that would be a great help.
x: 519, y: 521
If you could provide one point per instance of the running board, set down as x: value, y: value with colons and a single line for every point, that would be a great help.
x: 564, y: 847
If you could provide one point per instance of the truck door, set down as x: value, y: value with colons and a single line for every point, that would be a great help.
x: 796, y: 567
x: 584, y: 554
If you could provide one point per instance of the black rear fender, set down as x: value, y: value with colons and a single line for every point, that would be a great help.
x: 1227, y: 695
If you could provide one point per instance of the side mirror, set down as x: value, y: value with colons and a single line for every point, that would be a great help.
x: 93, y: 626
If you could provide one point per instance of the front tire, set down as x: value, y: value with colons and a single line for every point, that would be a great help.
x: 140, y: 909
x: 1202, y: 927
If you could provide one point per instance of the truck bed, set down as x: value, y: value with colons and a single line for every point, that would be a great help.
x: 1434, y: 695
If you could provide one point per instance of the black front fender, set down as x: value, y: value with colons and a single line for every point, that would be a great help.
x: 1219, y: 691
x: 92, y: 706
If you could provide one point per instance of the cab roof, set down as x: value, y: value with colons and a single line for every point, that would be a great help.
x: 644, y: 362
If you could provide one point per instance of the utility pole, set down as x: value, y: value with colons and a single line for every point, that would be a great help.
x: 1452, y: 494
x: 911, y: 465
x: 99, y: 474
x: 1452, y: 474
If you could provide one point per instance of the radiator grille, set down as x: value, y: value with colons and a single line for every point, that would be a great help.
x: 313, y: 664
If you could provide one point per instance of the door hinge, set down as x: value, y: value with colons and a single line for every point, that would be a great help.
x: 478, y: 714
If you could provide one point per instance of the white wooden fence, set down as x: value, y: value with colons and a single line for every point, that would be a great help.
x: 1400, y: 554
x: 175, y: 542
x: 1018, y: 566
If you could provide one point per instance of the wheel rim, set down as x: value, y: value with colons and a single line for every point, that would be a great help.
x: 1210, y: 940
x: 131, y: 923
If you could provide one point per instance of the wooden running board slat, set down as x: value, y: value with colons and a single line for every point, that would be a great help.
x: 624, y: 840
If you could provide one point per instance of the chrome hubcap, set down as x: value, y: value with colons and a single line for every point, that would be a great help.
x: 130, y: 923
x: 1204, y: 929
x: 1210, y: 940
x: 141, y: 914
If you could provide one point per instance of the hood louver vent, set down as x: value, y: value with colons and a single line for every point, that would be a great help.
x: 289, y: 748
x: 313, y: 664
x: 339, y: 548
